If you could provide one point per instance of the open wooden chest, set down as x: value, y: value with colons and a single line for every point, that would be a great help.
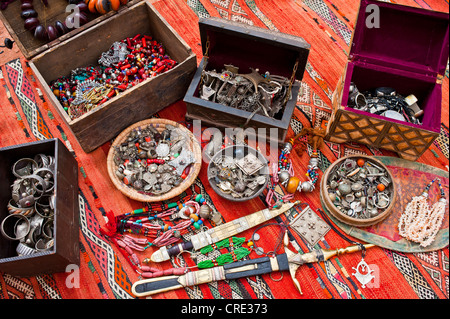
x: 82, y: 47
x: 65, y: 250
x: 407, y: 49
x: 246, y: 48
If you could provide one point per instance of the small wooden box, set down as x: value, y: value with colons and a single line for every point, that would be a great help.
x: 408, y: 52
x: 84, y: 47
x: 66, y: 217
x: 246, y: 47
x: 55, y: 11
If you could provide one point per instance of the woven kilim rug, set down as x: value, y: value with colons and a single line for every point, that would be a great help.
x: 27, y: 115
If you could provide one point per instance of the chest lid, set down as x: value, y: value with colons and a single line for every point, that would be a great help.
x: 56, y: 10
x: 402, y: 37
x: 228, y: 42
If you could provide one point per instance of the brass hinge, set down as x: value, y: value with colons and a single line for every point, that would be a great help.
x: 206, y: 54
x: 202, y: 78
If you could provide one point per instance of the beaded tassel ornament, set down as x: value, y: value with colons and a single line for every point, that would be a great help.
x: 283, y: 173
x: 420, y: 222
x: 192, y: 210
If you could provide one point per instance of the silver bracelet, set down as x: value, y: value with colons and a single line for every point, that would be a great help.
x: 23, y: 167
x: 23, y: 250
x: 18, y: 234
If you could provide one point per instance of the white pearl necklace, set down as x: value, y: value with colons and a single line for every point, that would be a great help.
x: 420, y: 222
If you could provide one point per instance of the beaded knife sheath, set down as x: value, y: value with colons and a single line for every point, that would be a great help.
x: 289, y: 261
x: 221, y: 232
x: 240, y: 269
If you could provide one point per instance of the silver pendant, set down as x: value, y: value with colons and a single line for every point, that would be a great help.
x: 363, y: 273
x: 162, y: 150
x: 207, y: 92
x: 310, y: 226
x: 185, y: 159
x: 250, y: 164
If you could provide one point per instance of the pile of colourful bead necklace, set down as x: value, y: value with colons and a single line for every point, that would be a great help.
x: 125, y: 64
x: 132, y: 232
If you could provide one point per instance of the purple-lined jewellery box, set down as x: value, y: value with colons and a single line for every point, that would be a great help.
x: 406, y: 49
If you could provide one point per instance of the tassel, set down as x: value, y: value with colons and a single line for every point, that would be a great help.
x: 110, y: 228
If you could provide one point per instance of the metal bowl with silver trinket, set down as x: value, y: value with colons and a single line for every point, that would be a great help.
x: 358, y: 190
x: 154, y: 160
x: 238, y: 173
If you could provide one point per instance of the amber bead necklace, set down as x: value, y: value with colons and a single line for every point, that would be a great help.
x: 283, y: 173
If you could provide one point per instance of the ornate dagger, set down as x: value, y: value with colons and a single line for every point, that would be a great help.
x: 221, y: 232
x: 259, y: 266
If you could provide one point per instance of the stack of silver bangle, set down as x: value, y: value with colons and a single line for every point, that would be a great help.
x: 31, y: 207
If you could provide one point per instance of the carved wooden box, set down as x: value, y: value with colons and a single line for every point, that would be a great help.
x: 246, y: 47
x: 407, y: 51
x: 66, y: 212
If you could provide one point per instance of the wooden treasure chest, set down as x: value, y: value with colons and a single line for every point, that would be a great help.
x: 253, y: 52
x: 402, y: 48
x: 22, y: 258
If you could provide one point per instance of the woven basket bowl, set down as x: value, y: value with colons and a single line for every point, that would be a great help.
x: 334, y: 211
x: 130, y: 192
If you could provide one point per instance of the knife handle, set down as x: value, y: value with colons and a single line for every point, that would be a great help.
x: 175, y: 250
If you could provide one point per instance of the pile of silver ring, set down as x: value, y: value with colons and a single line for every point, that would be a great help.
x: 353, y: 189
x: 31, y: 208
x: 253, y: 92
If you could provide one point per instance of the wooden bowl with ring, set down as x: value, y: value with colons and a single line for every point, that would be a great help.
x: 190, y: 162
x: 358, y: 190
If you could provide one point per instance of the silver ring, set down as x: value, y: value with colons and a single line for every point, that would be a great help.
x: 47, y: 229
x: 22, y: 167
x: 40, y: 181
x: 42, y: 160
x: 48, y: 177
x: 23, y: 250
x: 19, y: 216
x: 42, y: 208
x: 42, y: 245
x: 12, y: 209
x: 388, y: 201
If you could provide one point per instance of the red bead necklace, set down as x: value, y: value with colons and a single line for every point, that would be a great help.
x: 146, y: 59
x: 120, y: 228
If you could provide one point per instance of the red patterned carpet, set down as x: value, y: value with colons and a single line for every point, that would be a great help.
x: 105, y: 273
